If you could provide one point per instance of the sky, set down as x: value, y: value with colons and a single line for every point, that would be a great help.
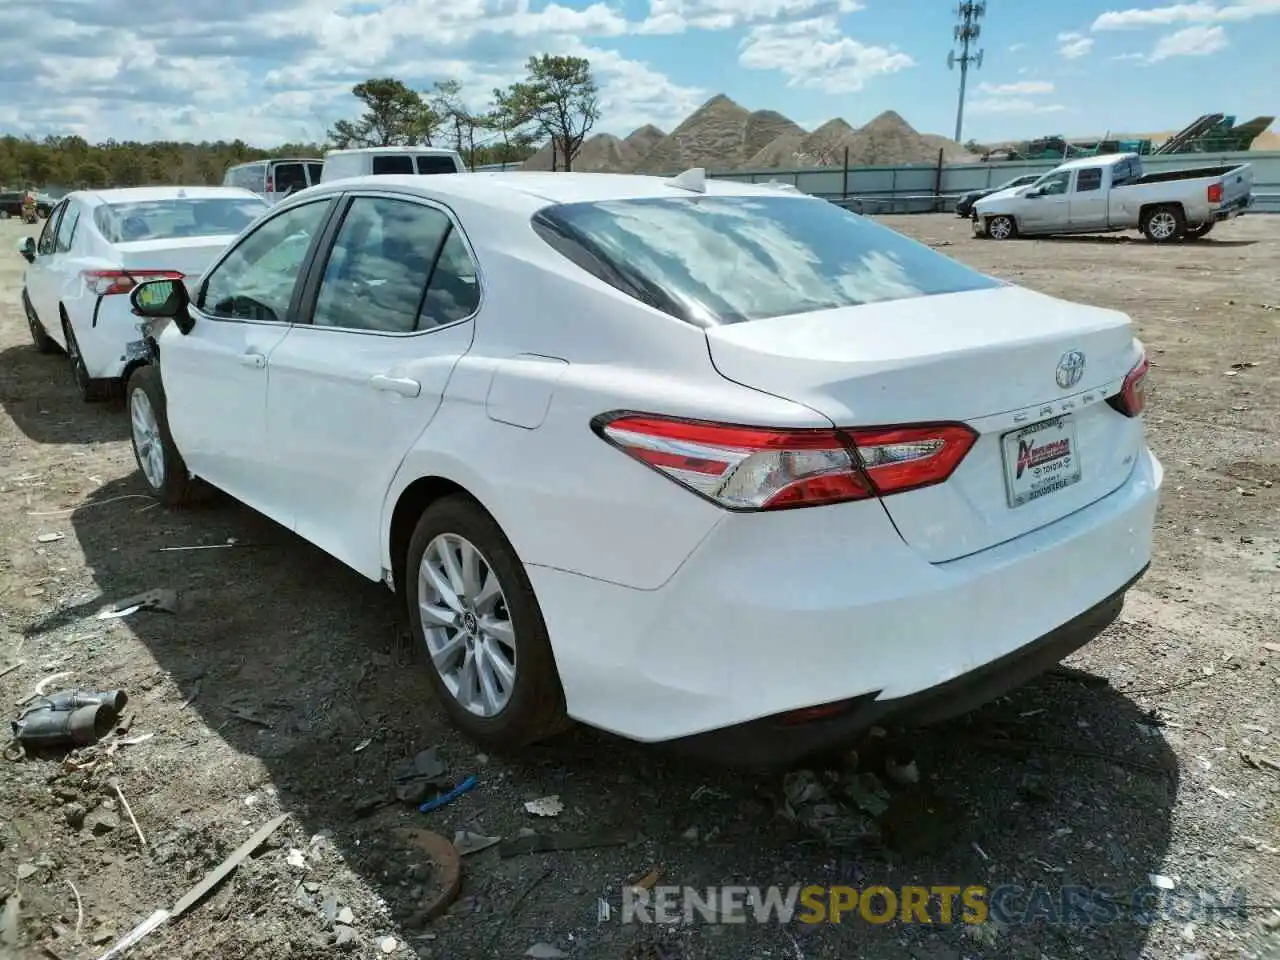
x: 275, y: 71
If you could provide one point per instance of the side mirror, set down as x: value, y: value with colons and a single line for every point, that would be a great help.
x: 28, y: 249
x: 1032, y: 194
x: 163, y: 299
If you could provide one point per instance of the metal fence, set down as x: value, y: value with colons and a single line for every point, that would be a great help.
x: 926, y: 188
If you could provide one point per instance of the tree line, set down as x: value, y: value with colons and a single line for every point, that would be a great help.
x: 556, y: 102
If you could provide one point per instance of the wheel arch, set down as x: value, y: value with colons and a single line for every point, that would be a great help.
x: 1147, y: 209
x: 413, y: 500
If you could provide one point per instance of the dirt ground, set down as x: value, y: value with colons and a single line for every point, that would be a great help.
x: 284, y: 683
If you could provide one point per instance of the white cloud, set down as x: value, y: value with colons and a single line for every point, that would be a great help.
x: 1073, y: 46
x: 1021, y: 88
x: 1199, y: 12
x: 989, y: 105
x: 1014, y: 48
x: 267, y: 74
x: 815, y: 55
x: 677, y: 16
x: 1199, y: 41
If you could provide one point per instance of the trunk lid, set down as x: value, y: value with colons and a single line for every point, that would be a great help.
x: 190, y: 256
x: 988, y: 358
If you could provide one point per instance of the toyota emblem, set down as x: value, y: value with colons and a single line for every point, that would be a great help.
x: 1070, y: 369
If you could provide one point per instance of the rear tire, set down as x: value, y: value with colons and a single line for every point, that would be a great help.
x: 532, y: 705
x: 1164, y: 224
x: 1002, y: 228
x: 90, y: 390
x: 157, y: 456
x: 44, y: 343
x: 1195, y: 233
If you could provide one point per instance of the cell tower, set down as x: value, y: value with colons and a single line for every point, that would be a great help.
x: 967, y: 32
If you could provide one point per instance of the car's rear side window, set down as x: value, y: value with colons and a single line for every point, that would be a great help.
x: 391, y: 163
x: 714, y: 260
x: 436, y: 163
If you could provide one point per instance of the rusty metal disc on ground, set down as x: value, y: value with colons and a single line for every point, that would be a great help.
x: 444, y: 882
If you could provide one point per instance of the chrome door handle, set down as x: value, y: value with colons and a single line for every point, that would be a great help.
x: 255, y: 360
x: 401, y: 385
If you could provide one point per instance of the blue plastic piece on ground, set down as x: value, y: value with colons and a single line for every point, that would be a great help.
x: 438, y: 801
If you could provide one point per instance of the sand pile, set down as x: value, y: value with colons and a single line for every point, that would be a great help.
x: 712, y: 137
x: 642, y: 141
x: 721, y: 135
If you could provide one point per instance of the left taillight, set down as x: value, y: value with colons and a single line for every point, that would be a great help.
x: 763, y: 468
x: 1132, y: 398
x: 108, y: 283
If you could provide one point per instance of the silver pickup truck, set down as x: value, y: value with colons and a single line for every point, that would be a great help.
x: 1101, y: 194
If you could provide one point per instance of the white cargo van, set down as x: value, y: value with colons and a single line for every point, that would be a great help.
x: 275, y: 179
x: 366, y: 161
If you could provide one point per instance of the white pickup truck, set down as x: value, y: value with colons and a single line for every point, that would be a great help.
x: 1109, y: 193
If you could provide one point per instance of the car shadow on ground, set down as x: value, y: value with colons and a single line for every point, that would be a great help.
x: 303, y: 667
x: 1126, y: 239
x: 38, y: 393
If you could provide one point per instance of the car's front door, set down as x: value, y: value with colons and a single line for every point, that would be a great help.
x: 1088, y: 200
x: 215, y: 377
x: 1049, y: 210
x: 42, y: 278
x: 353, y: 389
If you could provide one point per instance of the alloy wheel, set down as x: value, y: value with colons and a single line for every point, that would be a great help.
x: 1162, y: 225
x: 466, y: 625
x: 146, y: 438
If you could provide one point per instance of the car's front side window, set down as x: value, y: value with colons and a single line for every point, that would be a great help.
x: 377, y: 273
x: 49, y: 235
x: 257, y: 278
x: 1055, y: 183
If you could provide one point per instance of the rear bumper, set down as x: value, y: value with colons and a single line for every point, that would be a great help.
x: 775, y: 613
x: 773, y: 741
x: 1233, y: 210
x: 104, y: 327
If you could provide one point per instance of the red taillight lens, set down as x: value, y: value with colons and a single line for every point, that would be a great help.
x: 762, y: 468
x: 108, y: 283
x: 1215, y: 193
x: 1132, y: 398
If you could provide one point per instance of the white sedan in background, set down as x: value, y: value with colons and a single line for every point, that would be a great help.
x: 686, y: 460
x: 97, y: 245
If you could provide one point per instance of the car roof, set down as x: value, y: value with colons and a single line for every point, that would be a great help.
x: 143, y: 194
x: 425, y: 151
x: 526, y: 191
x: 1098, y: 161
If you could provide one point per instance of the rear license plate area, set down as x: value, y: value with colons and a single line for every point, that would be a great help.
x: 1040, y: 459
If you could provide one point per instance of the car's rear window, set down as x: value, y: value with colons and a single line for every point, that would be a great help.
x: 171, y: 219
x: 716, y: 260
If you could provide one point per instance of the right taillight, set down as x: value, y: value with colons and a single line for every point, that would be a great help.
x: 1215, y: 193
x: 766, y: 468
x: 1132, y: 398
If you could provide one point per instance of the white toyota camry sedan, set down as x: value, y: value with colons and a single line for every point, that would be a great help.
x: 686, y: 460
x: 97, y: 245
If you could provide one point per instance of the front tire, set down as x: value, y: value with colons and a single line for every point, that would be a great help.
x: 44, y: 343
x: 473, y: 609
x: 157, y: 456
x: 1002, y: 227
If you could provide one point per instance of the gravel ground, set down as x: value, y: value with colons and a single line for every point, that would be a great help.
x: 284, y: 683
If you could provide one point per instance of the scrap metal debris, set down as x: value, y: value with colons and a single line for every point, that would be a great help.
x: 161, y: 600
x: 199, y: 891
x: 550, y: 842
x: 545, y: 806
x: 444, y: 878
x: 416, y: 778
x: 544, y: 951
x: 69, y: 718
x: 468, y: 843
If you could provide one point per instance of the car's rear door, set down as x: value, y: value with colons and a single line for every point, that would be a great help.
x: 390, y: 312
